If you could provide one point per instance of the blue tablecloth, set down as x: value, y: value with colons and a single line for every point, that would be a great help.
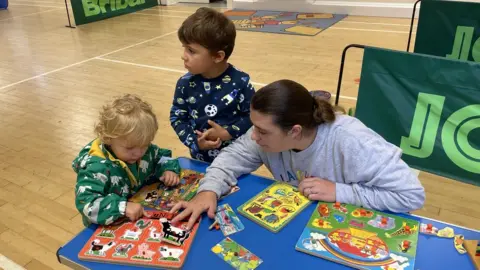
x: 277, y: 250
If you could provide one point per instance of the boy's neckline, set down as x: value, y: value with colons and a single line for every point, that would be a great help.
x: 229, y: 66
x: 109, y: 149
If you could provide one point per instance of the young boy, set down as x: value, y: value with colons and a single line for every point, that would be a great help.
x: 211, y: 106
x: 120, y: 162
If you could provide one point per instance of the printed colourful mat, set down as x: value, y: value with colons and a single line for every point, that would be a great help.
x: 294, y: 23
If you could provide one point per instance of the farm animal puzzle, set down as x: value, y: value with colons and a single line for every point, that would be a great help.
x: 151, y: 241
x: 360, y: 238
x: 275, y: 206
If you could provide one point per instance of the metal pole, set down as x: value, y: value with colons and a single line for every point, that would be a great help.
x: 68, y: 16
x: 340, y: 75
x: 411, y: 24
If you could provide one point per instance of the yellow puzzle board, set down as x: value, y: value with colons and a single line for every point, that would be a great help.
x: 274, y: 206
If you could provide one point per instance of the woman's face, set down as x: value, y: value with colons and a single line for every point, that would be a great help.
x: 268, y: 135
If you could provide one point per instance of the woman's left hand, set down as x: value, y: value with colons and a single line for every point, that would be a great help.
x: 317, y: 189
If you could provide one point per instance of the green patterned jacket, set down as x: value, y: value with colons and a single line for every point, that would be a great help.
x: 104, y: 182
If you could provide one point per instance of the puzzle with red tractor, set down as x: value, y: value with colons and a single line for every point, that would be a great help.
x: 360, y: 238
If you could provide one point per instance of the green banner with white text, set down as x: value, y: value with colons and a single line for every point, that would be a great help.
x: 428, y: 106
x: 449, y: 29
x: 87, y: 11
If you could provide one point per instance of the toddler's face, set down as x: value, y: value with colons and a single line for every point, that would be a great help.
x: 127, y: 152
x: 197, y: 59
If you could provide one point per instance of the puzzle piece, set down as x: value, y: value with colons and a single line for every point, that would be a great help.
x: 236, y: 255
x: 446, y: 232
x: 428, y: 229
x: 458, y: 242
x: 228, y: 220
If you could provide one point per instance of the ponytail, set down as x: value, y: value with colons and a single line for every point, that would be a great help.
x: 291, y: 104
x: 324, y: 112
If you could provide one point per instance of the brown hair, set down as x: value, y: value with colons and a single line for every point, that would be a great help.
x: 129, y: 117
x: 291, y: 104
x: 210, y: 29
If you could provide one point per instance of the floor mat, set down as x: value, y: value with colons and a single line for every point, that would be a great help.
x: 294, y: 23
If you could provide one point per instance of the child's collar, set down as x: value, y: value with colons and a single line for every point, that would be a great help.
x: 98, y: 149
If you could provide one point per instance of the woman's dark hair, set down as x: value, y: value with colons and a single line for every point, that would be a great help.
x: 290, y: 103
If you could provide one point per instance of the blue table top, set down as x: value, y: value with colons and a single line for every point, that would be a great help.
x: 277, y: 250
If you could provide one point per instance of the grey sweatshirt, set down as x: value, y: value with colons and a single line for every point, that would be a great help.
x: 368, y: 170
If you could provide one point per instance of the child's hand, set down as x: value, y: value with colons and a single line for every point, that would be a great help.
x: 134, y: 211
x: 205, y: 144
x: 217, y: 131
x: 170, y: 178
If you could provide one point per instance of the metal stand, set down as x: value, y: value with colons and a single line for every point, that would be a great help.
x: 411, y: 24
x: 68, y: 16
x: 337, y: 97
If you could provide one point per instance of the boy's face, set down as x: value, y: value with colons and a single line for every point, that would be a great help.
x: 198, y: 59
x: 127, y: 152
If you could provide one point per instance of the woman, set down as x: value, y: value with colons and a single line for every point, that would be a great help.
x: 302, y: 141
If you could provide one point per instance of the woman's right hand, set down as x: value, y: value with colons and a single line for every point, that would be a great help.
x: 205, y: 201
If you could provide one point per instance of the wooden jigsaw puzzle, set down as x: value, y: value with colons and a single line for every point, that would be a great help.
x: 228, y: 220
x: 161, y: 197
x: 360, y: 238
x: 236, y: 255
x: 275, y: 206
x: 152, y: 242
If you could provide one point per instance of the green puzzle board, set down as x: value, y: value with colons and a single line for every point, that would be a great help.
x: 356, y: 237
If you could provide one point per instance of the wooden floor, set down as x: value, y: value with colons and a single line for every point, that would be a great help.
x: 54, y: 79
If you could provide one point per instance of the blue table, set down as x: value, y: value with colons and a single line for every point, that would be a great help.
x: 3, y: 4
x: 277, y: 250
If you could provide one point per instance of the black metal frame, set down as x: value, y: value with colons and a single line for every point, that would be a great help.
x: 342, y: 64
x: 68, y: 16
x: 411, y: 24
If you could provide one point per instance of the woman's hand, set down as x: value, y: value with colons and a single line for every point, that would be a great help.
x: 317, y: 189
x: 203, y: 201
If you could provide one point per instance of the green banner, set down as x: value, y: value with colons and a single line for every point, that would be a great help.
x: 449, y: 29
x: 87, y: 11
x: 429, y: 106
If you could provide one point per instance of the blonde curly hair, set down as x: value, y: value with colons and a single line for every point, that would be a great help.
x: 127, y: 117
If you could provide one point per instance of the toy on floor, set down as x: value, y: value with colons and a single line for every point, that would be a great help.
x: 274, y: 206
x: 150, y: 241
x: 236, y: 255
x: 161, y: 197
x: 361, y: 238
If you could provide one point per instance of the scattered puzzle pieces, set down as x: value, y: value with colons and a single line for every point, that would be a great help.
x: 236, y: 255
x: 458, y: 242
x: 228, y: 221
x: 446, y: 232
x: 428, y: 229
